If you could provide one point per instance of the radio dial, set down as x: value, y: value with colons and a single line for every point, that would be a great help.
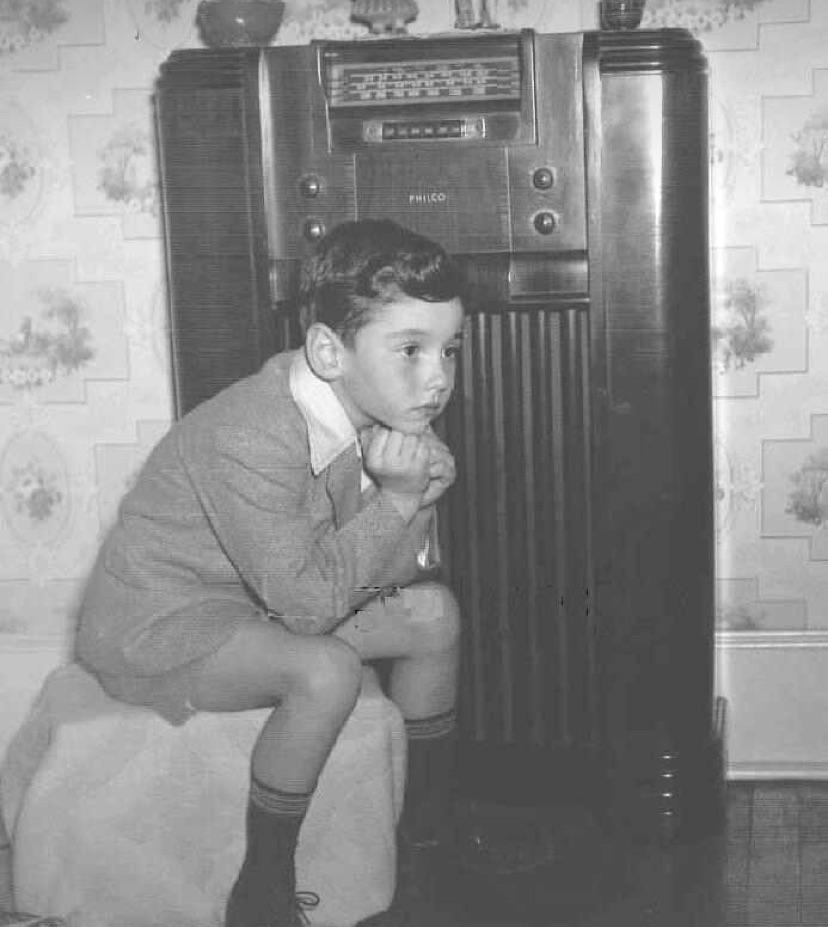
x: 310, y: 186
x: 543, y: 178
x: 314, y: 229
x: 545, y: 223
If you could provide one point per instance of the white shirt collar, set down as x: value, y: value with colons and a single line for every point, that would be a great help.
x: 330, y: 431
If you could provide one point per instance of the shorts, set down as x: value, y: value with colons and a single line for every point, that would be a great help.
x: 166, y: 693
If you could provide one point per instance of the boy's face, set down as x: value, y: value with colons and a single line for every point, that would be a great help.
x: 399, y: 372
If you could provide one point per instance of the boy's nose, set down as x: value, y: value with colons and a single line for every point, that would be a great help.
x: 439, y: 378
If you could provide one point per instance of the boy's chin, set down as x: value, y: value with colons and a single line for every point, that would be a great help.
x: 418, y: 427
x: 417, y: 430
x: 407, y: 428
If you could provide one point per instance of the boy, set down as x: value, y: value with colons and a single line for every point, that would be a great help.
x: 249, y: 564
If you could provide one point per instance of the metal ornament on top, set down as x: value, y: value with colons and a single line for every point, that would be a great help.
x: 481, y: 14
x: 385, y: 17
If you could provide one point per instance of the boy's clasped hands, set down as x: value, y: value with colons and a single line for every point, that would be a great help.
x: 413, y: 470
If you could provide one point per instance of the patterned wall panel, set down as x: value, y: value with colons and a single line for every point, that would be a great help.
x: 738, y: 486
x: 48, y: 523
x: 741, y: 608
x: 117, y: 465
x: 39, y: 608
x: 114, y: 164
x: 795, y: 149
x: 725, y: 25
x: 22, y: 158
x: 795, y: 488
x: 163, y: 24
x: 60, y: 332
x: 33, y: 31
x: 758, y: 321
x: 84, y: 362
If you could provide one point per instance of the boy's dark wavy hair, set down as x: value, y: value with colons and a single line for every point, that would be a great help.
x: 361, y: 266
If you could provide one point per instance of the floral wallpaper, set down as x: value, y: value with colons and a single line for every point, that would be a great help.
x: 84, y: 364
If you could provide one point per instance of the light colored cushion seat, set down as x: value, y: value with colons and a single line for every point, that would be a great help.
x: 119, y: 819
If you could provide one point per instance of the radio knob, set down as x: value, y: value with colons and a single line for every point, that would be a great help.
x: 545, y: 223
x: 314, y: 229
x: 543, y: 178
x: 310, y: 186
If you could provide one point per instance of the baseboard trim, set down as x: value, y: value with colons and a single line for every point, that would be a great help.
x: 774, y: 683
x: 769, y: 640
x: 777, y: 772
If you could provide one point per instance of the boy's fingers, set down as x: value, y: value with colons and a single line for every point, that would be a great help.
x: 433, y: 440
x: 436, y: 457
x: 401, y: 447
x: 378, y: 442
x: 413, y: 447
x: 421, y: 454
x: 394, y: 445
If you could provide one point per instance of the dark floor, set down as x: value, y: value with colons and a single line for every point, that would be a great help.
x: 768, y: 868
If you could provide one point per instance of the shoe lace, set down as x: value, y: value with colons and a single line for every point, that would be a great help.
x: 305, y: 901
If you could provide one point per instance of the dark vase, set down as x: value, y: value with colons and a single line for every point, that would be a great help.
x: 621, y: 14
x: 239, y: 22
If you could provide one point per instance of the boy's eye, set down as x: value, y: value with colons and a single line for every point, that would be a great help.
x: 451, y: 350
x: 410, y: 350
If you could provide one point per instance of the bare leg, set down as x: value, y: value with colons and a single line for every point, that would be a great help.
x: 312, y: 683
x: 420, y: 630
x: 6, y: 896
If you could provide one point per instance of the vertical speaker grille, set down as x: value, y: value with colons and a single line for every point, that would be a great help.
x: 515, y: 527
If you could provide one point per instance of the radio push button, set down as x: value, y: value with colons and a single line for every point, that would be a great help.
x: 543, y: 178
x: 545, y: 223
x: 310, y: 186
x: 475, y: 128
x: 314, y: 229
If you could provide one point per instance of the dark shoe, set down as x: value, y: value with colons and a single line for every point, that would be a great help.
x: 305, y: 901
x: 417, y: 899
x: 242, y: 910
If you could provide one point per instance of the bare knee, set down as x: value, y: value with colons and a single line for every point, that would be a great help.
x: 330, y: 675
x: 434, y: 617
x: 264, y: 665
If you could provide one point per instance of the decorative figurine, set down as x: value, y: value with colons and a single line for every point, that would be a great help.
x: 384, y: 16
x: 475, y: 15
x: 466, y: 18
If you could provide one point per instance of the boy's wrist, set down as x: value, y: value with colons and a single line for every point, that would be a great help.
x: 407, y: 504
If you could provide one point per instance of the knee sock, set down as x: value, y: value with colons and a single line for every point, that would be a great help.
x: 423, y: 822
x: 265, y: 890
x: 430, y: 782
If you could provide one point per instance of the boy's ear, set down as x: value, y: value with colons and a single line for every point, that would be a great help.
x: 324, y: 350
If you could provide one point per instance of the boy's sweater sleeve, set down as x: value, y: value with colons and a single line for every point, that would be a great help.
x: 254, y: 490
